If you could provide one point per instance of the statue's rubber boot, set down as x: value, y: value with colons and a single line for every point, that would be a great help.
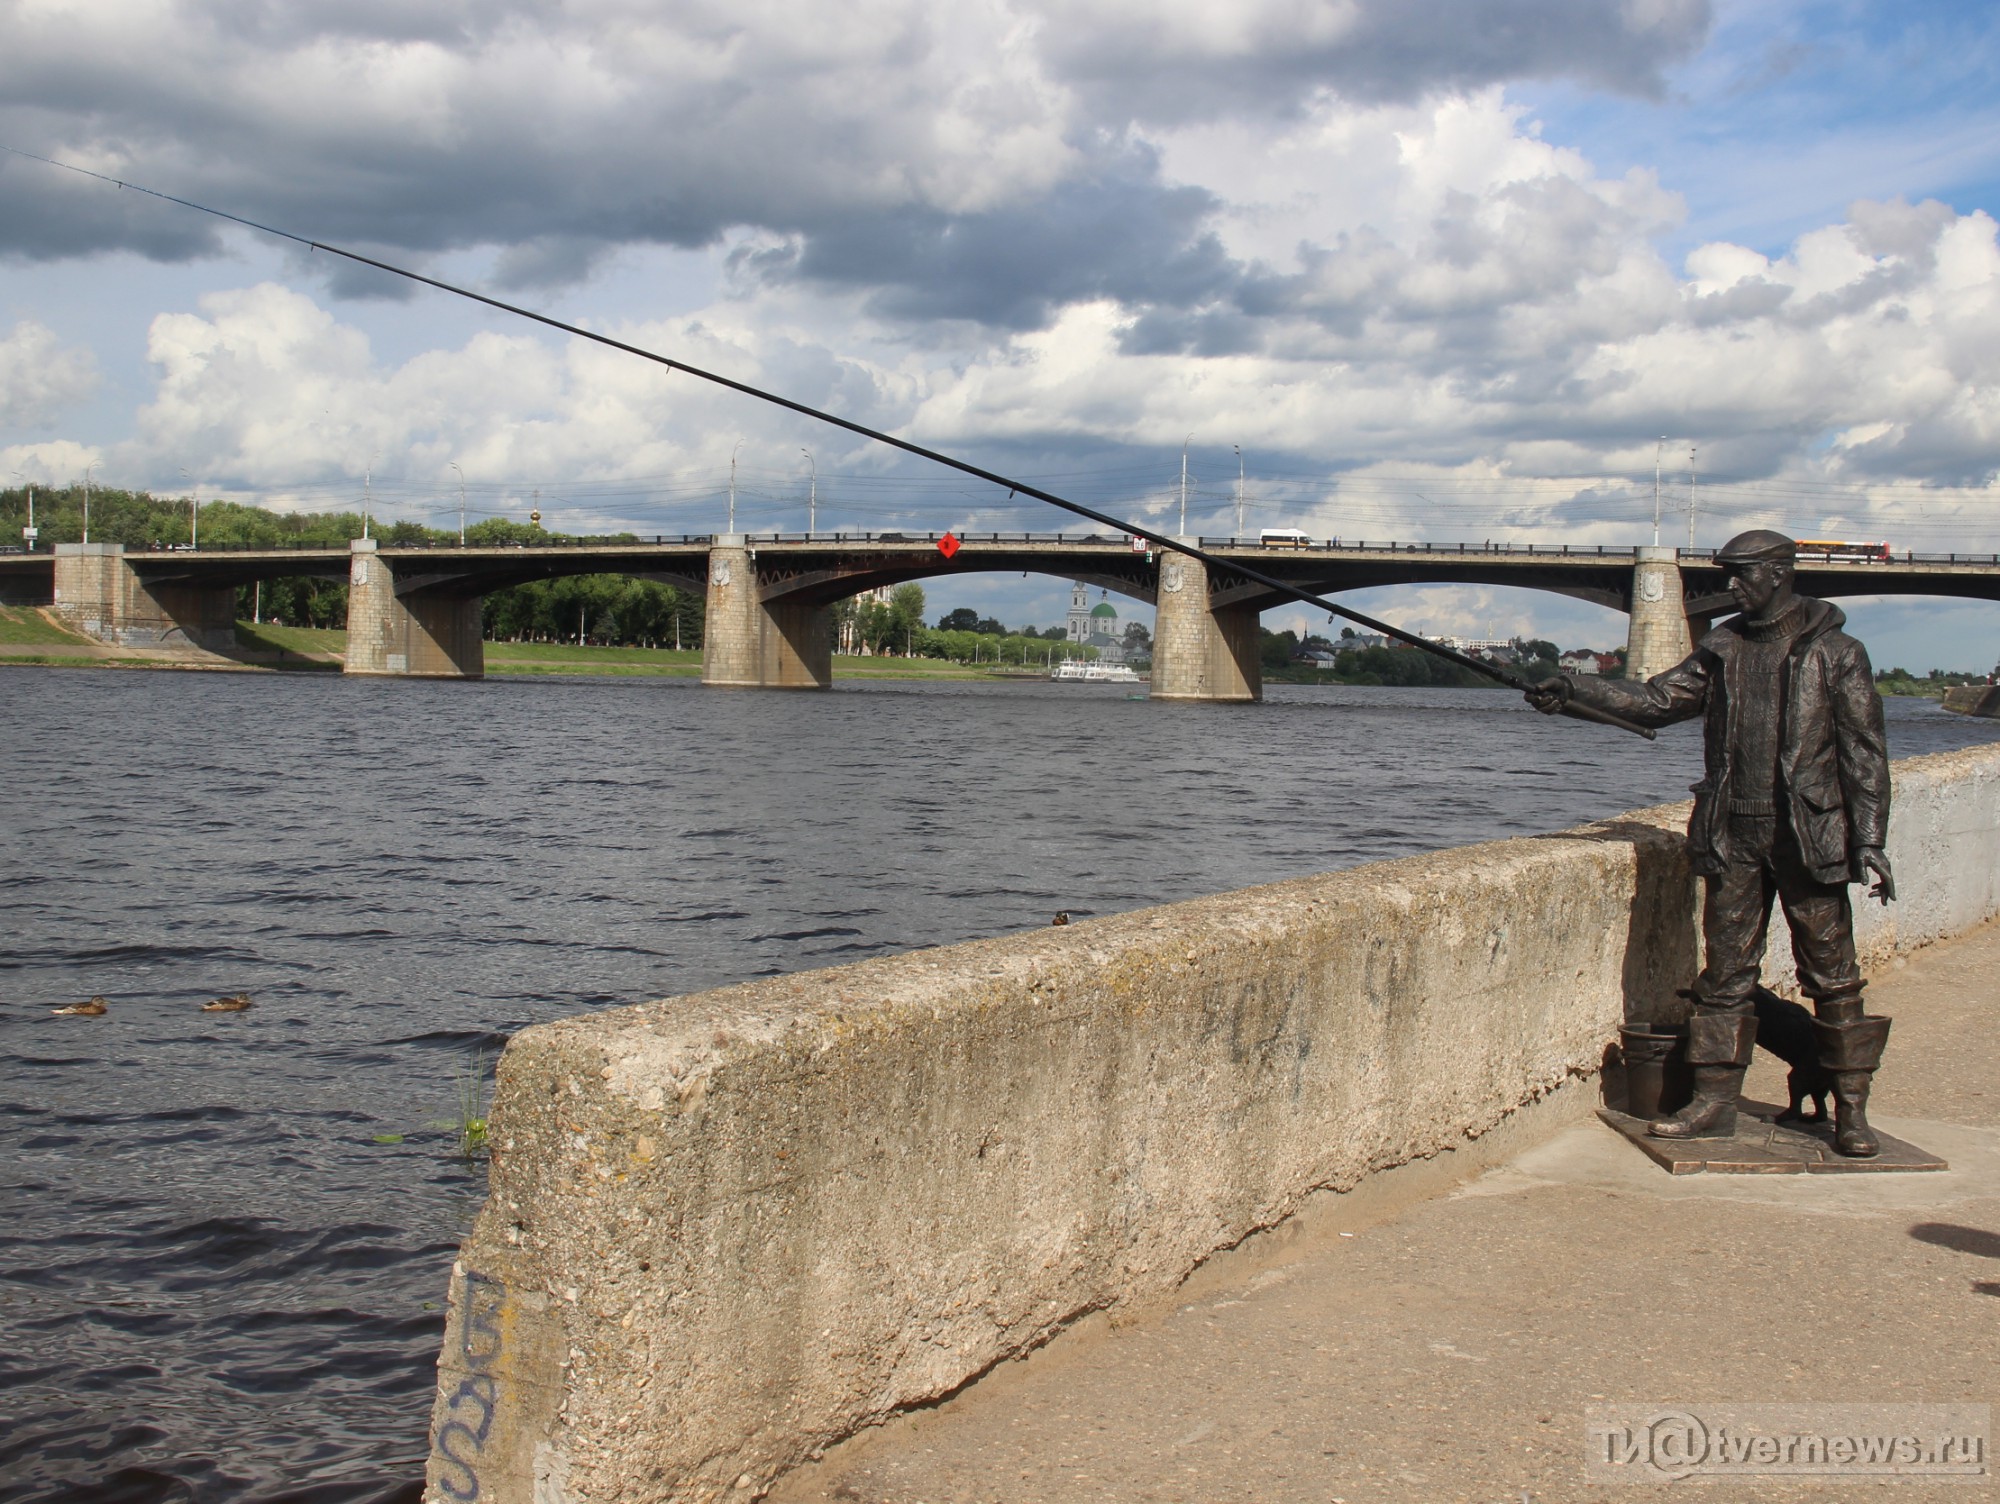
x: 1849, y: 1052
x: 1719, y: 1046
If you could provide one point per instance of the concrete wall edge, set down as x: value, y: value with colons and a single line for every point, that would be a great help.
x: 728, y: 1230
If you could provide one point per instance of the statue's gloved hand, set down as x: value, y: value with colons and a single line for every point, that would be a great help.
x: 1873, y: 861
x: 1550, y: 695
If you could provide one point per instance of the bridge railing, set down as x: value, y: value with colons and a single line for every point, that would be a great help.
x: 1121, y: 541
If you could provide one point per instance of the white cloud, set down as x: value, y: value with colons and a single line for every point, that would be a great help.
x: 40, y: 377
x: 59, y: 462
x: 265, y: 393
x: 1504, y: 368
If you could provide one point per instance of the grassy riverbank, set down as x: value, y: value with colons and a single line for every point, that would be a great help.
x: 25, y: 626
x: 328, y: 644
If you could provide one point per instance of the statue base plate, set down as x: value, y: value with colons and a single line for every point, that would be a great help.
x: 1761, y: 1147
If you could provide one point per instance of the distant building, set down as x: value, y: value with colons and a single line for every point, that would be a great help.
x: 1584, y: 661
x: 1095, y: 626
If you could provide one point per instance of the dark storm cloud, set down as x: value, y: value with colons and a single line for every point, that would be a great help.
x: 928, y: 156
x: 46, y: 215
x: 1120, y: 237
x: 1375, y: 51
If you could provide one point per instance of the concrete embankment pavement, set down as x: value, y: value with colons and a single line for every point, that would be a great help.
x: 1446, y: 1348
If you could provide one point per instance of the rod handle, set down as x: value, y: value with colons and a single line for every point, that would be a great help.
x: 1583, y: 712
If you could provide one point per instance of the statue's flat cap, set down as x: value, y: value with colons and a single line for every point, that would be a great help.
x: 1759, y: 545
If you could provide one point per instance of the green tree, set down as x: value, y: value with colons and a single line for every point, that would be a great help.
x: 1276, y: 648
x: 611, y: 609
x: 905, y: 618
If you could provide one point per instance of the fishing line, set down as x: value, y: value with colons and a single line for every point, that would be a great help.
x: 1491, y: 671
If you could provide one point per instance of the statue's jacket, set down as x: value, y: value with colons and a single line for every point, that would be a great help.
x: 1833, y: 755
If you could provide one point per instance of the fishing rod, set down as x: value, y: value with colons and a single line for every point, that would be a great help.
x: 1496, y: 672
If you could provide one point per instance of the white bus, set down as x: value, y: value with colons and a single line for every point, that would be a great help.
x: 1283, y: 537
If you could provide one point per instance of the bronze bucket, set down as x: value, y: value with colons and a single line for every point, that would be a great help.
x: 1658, y: 1079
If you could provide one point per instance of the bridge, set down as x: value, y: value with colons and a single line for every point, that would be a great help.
x: 415, y: 611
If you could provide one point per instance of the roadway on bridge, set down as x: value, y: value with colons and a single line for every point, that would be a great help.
x: 844, y: 563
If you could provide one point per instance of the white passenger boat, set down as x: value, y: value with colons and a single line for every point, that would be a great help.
x: 1075, y: 671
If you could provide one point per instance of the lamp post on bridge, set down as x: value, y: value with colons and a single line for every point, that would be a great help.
x: 812, y: 493
x: 86, y: 499
x: 1691, y: 498
x: 461, y: 504
x: 732, y: 502
x: 1658, y: 454
x: 194, y: 510
x: 1184, y: 449
x: 1239, y: 488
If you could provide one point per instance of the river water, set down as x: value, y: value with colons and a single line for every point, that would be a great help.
x: 224, y: 1238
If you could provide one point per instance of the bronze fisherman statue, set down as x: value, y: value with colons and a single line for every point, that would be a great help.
x: 1794, y: 805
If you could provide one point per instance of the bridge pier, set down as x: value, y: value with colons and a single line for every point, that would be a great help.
x: 423, y: 635
x: 1202, y: 651
x: 748, y: 641
x: 1657, y: 635
x: 98, y: 593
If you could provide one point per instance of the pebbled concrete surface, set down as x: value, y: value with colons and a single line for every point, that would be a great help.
x: 1447, y: 1350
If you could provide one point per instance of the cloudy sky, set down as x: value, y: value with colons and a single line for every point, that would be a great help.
x: 1439, y: 269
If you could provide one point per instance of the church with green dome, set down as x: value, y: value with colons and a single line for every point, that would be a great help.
x: 1096, y: 626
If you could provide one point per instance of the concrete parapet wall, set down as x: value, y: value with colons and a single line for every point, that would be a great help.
x: 728, y: 1229
x: 1982, y: 700
x: 1944, y: 844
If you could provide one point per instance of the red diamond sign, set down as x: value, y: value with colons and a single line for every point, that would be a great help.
x: 948, y: 545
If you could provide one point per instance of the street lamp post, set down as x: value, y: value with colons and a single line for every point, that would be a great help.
x: 1658, y: 454
x: 461, y: 504
x: 732, y: 488
x: 1691, y: 497
x: 86, y: 499
x: 194, y: 510
x: 1184, y: 449
x: 1239, y: 488
x: 812, y: 493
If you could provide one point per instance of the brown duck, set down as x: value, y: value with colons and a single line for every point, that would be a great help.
x: 235, y: 1003
x: 90, y: 1009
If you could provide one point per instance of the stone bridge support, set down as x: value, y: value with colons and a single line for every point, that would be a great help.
x: 756, y: 640
x: 1202, y: 650
x: 1657, y: 636
x: 427, y: 634
x: 100, y: 594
